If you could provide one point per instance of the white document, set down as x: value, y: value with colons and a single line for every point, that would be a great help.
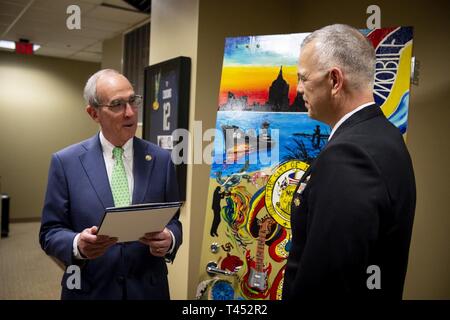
x: 133, y: 222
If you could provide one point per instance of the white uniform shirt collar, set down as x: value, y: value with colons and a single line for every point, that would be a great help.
x: 108, y: 147
x: 348, y: 115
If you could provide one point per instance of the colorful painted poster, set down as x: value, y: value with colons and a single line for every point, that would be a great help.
x: 267, y: 142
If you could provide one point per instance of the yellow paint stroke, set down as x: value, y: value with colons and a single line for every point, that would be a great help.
x: 402, y: 81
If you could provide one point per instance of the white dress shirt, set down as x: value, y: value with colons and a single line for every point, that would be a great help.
x: 128, y: 156
x: 348, y: 115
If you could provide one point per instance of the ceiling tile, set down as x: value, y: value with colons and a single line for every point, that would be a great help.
x: 34, y: 18
x: 59, y: 7
x: 87, y: 56
x: 52, y: 51
x: 9, y: 9
x: 119, y: 3
x: 114, y: 26
x: 96, y: 47
x: 97, y: 2
x: 44, y: 23
x: 123, y: 16
x: 78, y: 44
x: 6, y: 20
x: 19, y: 3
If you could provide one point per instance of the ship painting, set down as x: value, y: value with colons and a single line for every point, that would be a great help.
x: 239, y: 143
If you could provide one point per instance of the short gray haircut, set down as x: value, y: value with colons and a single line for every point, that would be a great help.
x: 345, y: 47
x: 90, y: 89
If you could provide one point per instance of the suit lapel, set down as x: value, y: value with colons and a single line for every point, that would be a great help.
x: 143, y: 164
x: 94, y: 165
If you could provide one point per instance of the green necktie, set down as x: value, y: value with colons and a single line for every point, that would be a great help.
x: 119, y: 181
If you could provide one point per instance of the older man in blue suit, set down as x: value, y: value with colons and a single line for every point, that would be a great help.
x: 112, y: 168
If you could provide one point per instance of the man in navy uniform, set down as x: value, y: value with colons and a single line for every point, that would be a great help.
x: 353, y: 209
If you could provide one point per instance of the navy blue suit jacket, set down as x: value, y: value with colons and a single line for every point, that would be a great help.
x: 78, y: 192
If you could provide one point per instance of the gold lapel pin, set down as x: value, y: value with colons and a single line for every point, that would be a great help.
x: 148, y: 157
x: 296, y: 202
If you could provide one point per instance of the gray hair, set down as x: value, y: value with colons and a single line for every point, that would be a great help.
x: 344, y: 46
x: 90, y: 89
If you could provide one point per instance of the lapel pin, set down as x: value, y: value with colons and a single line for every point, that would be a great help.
x: 148, y: 157
x: 296, y: 201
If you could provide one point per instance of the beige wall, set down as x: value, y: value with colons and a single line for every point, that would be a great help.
x: 173, y: 33
x: 198, y: 29
x: 41, y: 111
x: 112, y: 52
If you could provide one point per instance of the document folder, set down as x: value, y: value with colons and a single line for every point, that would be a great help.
x: 132, y: 222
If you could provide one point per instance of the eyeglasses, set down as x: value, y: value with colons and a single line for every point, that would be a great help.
x: 119, y: 105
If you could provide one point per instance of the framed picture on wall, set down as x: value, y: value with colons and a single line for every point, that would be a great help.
x: 166, y: 108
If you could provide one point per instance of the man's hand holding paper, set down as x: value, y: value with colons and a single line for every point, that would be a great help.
x: 158, y: 242
x: 91, y: 245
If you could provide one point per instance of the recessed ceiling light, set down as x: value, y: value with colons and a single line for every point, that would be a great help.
x: 7, y: 44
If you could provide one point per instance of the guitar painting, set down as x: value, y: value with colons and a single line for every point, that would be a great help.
x: 254, y: 284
